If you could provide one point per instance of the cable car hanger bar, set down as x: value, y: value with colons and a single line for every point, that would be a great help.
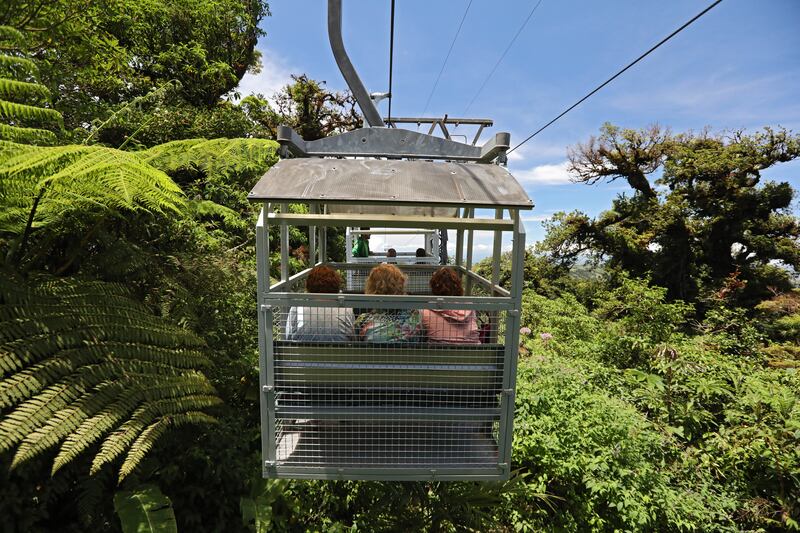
x: 376, y: 140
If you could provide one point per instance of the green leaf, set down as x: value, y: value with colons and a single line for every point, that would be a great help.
x: 145, y: 510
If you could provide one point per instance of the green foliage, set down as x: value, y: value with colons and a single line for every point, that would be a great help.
x: 145, y: 510
x: 96, y: 55
x: 713, y: 220
x: 232, y: 162
x: 21, y: 100
x: 83, y: 363
x: 44, y: 189
x: 603, y: 464
x: 163, y: 115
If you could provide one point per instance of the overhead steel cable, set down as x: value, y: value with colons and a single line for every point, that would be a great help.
x: 615, y: 76
x: 391, y: 61
x: 510, y: 44
x: 444, y: 64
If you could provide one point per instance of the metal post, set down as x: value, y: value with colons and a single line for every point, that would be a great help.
x: 265, y: 364
x: 497, y: 250
x: 323, y: 240
x: 371, y: 115
x: 312, y: 238
x: 460, y: 240
x: 512, y: 336
x: 284, y: 245
x: 470, y: 238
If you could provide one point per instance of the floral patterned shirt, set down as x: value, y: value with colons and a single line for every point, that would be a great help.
x: 389, y: 325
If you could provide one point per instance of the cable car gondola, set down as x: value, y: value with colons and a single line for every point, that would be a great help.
x: 414, y: 410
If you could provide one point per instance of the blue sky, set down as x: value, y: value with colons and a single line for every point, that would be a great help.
x: 736, y: 67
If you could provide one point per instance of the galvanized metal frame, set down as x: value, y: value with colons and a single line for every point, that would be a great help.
x: 392, y: 221
x: 394, y: 143
x: 442, y: 122
x: 281, y: 295
x: 265, y: 360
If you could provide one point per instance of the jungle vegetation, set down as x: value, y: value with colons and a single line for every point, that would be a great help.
x: 657, y: 389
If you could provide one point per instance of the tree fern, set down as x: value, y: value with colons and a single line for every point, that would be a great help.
x: 43, y: 187
x: 23, y: 91
x: 21, y: 116
x: 85, y: 367
x: 224, y: 157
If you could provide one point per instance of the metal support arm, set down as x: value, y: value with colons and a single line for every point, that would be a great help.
x: 366, y: 104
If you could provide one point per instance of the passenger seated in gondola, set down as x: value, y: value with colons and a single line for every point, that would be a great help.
x: 321, y: 324
x: 421, y: 253
x: 391, y: 255
x: 388, y: 325
x: 451, y: 326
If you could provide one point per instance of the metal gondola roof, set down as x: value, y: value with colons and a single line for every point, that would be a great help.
x: 391, y: 182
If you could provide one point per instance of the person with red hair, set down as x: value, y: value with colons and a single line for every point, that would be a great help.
x: 449, y: 326
x: 320, y: 324
x: 388, y: 325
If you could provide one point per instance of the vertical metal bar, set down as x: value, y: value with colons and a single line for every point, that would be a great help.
x: 312, y: 238
x: 512, y: 338
x: 470, y: 243
x: 284, y: 245
x: 265, y: 363
x: 497, y: 250
x: 460, y: 241
x: 323, y: 240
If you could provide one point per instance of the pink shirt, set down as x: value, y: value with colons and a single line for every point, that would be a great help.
x: 451, y: 326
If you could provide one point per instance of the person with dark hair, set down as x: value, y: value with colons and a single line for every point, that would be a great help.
x: 421, y: 253
x: 451, y: 326
x: 321, y: 324
x: 361, y: 248
x: 388, y: 325
x: 391, y: 253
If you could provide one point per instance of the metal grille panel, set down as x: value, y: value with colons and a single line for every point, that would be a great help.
x: 387, y: 388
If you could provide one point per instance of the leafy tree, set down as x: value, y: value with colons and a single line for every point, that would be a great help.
x: 312, y: 111
x: 96, y: 55
x: 706, y: 224
x: 163, y: 116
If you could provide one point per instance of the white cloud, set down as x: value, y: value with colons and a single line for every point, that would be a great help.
x: 537, y: 218
x: 545, y: 175
x: 275, y: 74
x: 536, y: 151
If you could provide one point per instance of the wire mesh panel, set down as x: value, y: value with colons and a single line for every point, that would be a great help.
x: 386, y: 389
x: 417, y: 276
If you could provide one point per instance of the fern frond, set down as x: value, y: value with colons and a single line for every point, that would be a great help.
x: 17, y: 66
x: 225, y: 157
x: 26, y: 135
x: 208, y: 209
x: 11, y: 35
x: 86, y: 365
x: 27, y: 113
x: 144, y: 443
x: 22, y: 91
x: 65, y: 421
x: 81, y: 179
